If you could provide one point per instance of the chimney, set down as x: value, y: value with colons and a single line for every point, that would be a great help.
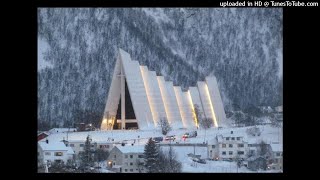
x: 47, y: 141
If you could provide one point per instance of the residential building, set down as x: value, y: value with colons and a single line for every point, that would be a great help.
x: 53, y: 152
x: 127, y: 159
x: 228, y: 147
x: 277, y: 158
x: 42, y: 135
x: 78, y: 145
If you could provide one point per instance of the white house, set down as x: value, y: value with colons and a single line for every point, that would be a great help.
x: 78, y: 145
x: 228, y: 147
x: 277, y: 158
x: 49, y: 151
x: 127, y: 159
x: 62, y: 130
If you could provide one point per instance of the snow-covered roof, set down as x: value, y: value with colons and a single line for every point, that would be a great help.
x: 53, y: 146
x: 220, y: 138
x: 276, y: 147
x: 131, y: 149
x: 59, y: 130
x: 70, y: 150
x: 212, y: 141
x: 43, y: 132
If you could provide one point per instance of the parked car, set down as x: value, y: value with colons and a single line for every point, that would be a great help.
x: 167, y: 138
x: 198, y: 160
x: 157, y: 139
x: 190, y: 134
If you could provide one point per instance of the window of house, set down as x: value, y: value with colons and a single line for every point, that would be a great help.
x: 251, y: 151
x: 227, y: 138
x: 131, y: 164
x: 131, y: 170
x: 125, y: 156
x: 140, y: 156
x: 238, y: 138
x: 250, y: 145
x: 47, y: 153
x: 71, y: 145
x: 58, y: 153
x: 240, y: 145
x: 213, y: 146
x: 115, y: 156
x: 125, y: 170
x: 278, y: 154
x: 232, y: 138
x: 240, y: 152
x: 230, y: 152
x: 114, y: 163
x: 230, y: 145
x: 81, y: 145
x: 224, y: 145
x: 131, y: 156
x: 223, y: 153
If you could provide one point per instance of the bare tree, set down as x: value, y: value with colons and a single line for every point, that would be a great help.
x: 168, y: 162
x: 164, y: 125
x: 198, y: 113
x: 206, y: 123
x: 254, y: 131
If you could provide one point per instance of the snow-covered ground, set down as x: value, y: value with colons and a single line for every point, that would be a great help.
x: 268, y: 134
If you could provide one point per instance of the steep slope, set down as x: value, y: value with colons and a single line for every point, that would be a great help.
x: 242, y: 47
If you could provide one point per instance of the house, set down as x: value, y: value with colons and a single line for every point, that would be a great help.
x: 62, y: 130
x: 42, y: 135
x: 277, y: 158
x: 228, y: 147
x: 78, y: 145
x: 53, y: 152
x: 127, y: 159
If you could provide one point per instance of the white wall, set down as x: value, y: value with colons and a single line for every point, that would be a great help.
x: 137, y: 92
x: 216, y: 100
x: 170, y: 102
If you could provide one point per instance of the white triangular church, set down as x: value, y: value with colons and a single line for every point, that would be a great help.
x: 138, y: 98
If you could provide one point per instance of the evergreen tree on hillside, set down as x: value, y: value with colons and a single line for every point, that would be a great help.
x: 151, y: 155
x: 86, y: 157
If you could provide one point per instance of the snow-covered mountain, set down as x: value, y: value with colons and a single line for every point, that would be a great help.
x: 77, y: 51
